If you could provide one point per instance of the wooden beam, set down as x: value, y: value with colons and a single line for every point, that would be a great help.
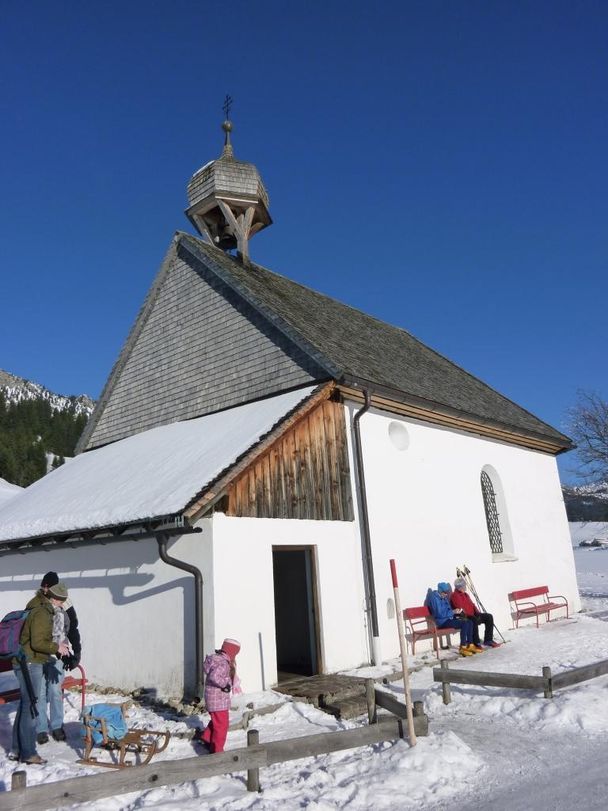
x: 133, y: 778
x: 484, y: 679
x: 579, y: 674
x: 470, y: 426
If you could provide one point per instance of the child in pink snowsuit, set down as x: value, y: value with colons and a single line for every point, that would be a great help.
x: 220, y: 673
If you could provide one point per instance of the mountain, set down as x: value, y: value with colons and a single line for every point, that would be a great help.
x: 18, y: 389
x: 586, y: 502
x: 38, y: 428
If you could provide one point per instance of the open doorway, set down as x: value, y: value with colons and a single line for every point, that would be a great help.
x: 296, y: 614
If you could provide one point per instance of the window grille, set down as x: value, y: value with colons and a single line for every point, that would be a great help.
x: 492, y: 520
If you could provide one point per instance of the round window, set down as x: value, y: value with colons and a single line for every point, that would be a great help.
x: 398, y: 435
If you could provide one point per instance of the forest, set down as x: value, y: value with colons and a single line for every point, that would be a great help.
x: 31, y: 432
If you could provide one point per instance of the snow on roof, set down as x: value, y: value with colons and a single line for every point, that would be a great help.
x: 148, y: 475
x: 8, y: 491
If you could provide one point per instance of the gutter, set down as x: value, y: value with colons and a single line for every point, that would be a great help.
x: 368, y: 563
x: 79, y: 540
x: 162, y: 539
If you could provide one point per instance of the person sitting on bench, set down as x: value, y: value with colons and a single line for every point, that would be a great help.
x: 438, y: 603
x: 460, y: 599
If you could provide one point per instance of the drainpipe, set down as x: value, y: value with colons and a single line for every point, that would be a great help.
x: 162, y: 539
x: 368, y: 564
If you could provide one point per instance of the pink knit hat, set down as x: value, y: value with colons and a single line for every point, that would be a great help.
x: 230, y: 647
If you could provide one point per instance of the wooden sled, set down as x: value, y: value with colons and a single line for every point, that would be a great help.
x: 142, y: 743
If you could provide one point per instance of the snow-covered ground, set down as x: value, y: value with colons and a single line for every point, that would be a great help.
x: 490, y: 747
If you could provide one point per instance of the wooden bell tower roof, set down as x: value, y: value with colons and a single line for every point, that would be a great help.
x: 228, y: 200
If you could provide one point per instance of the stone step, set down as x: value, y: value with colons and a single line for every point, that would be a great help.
x: 346, y: 708
x: 323, y: 690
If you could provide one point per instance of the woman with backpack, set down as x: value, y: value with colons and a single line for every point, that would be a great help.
x: 37, y: 644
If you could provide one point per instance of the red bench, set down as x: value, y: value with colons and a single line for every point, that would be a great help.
x: 422, y: 626
x: 526, y: 607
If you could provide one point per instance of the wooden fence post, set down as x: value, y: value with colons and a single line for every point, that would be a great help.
x: 370, y: 697
x: 411, y: 732
x: 548, y: 682
x: 445, y: 686
x: 253, y: 775
x: 19, y: 779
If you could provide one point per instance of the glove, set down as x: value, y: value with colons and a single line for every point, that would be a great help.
x: 70, y: 662
x: 227, y: 688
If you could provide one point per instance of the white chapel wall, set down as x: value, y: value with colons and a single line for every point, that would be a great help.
x: 244, y: 592
x: 426, y: 511
x: 136, y: 613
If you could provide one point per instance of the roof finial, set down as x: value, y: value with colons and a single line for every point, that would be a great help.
x: 227, y: 127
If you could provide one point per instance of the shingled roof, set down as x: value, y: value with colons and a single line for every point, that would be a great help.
x: 325, y: 339
x: 358, y: 348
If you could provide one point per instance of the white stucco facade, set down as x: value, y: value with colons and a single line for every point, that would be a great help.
x: 425, y: 510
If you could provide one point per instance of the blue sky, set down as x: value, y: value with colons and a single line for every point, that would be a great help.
x: 441, y: 165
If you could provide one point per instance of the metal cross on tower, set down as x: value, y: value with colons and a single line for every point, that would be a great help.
x: 227, y: 105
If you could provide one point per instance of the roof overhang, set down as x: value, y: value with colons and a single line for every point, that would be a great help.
x: 409, y: 406
x: 103, y: 536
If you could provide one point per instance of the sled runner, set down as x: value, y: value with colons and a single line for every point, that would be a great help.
x: 105, y: 726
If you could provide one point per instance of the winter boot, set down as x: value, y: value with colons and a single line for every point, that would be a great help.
x: 475, y: 648
x: 59, y: 734
x: 464, y: 651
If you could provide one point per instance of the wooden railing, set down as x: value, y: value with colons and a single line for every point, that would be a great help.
x: 250, y: 759
x: 547, y: 682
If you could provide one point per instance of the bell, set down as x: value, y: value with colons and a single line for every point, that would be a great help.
x: 225, y: 239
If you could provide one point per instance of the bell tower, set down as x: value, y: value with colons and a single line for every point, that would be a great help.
x: 228, y: 200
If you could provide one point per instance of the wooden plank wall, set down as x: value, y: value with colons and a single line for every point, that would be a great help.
x: 305, y: 474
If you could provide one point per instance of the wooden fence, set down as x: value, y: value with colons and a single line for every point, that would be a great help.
x: 547, y: 682
x: 251, y: 759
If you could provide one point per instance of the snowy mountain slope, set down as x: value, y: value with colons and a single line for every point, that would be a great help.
x: 16, y: 389
x: 586, y: 502
x: 38, y: 428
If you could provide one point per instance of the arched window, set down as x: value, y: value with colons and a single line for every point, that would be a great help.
x: 492, y: 517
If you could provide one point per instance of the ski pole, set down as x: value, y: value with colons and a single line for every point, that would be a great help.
x: 467, y: 574
x: 464, y: 573
x: 471, y: 585
x: 29, y: 687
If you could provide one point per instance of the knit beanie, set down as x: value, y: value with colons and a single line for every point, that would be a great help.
x: 58, y: 591
x: 230, y: 647
x: 443, y: 587
x: 50, y: 579
x: 460, y: 583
